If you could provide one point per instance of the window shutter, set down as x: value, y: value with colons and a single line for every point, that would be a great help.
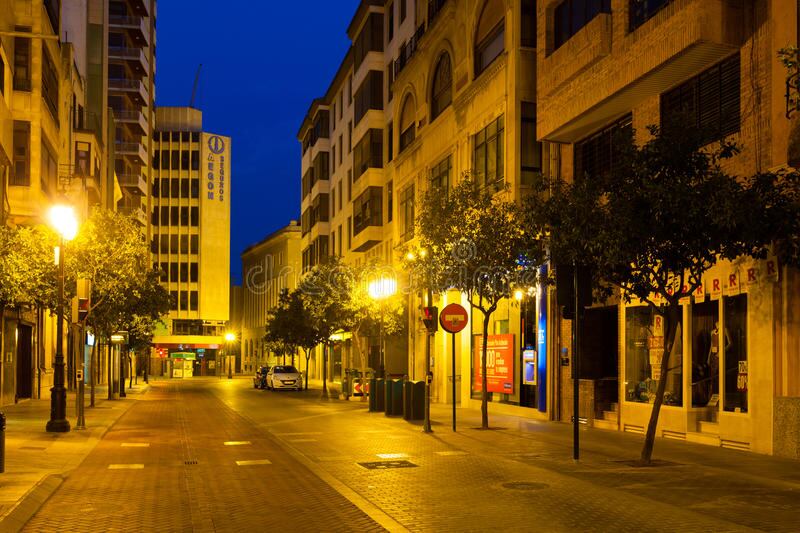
x: 729, y: 96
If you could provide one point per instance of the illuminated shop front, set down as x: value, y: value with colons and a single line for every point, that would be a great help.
x: 720, y: 371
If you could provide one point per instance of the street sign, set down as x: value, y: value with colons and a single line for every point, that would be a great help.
x: 453, y: 318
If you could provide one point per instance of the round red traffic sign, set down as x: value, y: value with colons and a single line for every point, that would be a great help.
x: 453, y: 318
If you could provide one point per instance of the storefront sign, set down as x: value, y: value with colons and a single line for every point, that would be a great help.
x: 499, y: 364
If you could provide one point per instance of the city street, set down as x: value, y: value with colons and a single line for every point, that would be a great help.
x: 217, y: 455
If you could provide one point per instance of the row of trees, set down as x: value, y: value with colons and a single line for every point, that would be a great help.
x: 110, y: 252
x: 332, y: 298
x: 649, y: 227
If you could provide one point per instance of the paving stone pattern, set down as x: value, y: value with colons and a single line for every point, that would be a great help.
x: 190, y: 480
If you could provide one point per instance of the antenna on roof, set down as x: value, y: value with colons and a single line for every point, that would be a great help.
x: 194, y: 86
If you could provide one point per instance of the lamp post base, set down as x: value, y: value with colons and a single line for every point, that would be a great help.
x: 58, y: 426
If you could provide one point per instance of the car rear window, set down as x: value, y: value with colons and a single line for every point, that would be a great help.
x: 285, y: 370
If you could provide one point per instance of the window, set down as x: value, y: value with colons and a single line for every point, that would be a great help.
x: 49, y: 83
x: 156, y: 187
x: 185, y: 137
x: 530, y: 149
x: 195, y: 218
x: 321, y: 167
x: 173, y: 216
x: 173, y: 299
x: 193, y: 272
x: 407, y: 123
x: 440, y: 174
x: 706, y: 354
x: 194, y: 241
x: 340, y: 149
x: 368, y: 153
x: 193, y: 300
x: 367, y: 210
x: 154, y: 221
x: 22, y: 62
x: 195, y: 159
x: 175, y: 187
x: 340, y: 240
x: 369, y: 40
x: 340, y: 196
x: 49, y: 168
x: 184, y: 188
x: 175, y: 155
x: 644, y: 345
x: 22, y: 154
x: 528, y: 22
x: 488, y: 155
x: 164, y: 271
x: 598, y: 155
x: 195, y: 137
x: 389, y: 142
x: 333, y: 159
x: 173, y: 244
x: 490, y: 37
x: 173, y: 272
x: 572, y: 15
x: 710, y: 100
x: 184, y: 273
x: 407, y: 213
x: 350, y: 137
x: 442, y: 90
x: 164, y: 215
x: 349, y: 232
x: 390, y: 21
x: 164, y: 244
x: 349, y: 185
x: 184, y: 301
x: 184, y: 244
x: 184, y: 159
x: 733, y: 343
x: 156, y: 159
x: 194, y: 185
x: 369, y: 95
x: 184, y: 216
x: 640, y: 11
x: 403, y: 10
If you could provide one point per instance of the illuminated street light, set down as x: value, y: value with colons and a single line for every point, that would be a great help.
x: 63, y: 220
x: 518, y: 294
x: 381, y: 289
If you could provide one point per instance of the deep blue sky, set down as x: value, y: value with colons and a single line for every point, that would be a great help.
x: 263, y: 63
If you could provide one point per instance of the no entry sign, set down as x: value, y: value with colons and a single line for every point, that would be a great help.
x: 453, y: 318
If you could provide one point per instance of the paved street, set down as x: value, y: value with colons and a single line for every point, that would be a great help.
x: 217, y: 455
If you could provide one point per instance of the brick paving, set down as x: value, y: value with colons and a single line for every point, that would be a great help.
x: 190, y: 480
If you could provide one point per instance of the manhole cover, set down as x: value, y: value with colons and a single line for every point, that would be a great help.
x: 381, y: 465
x: 525, y: 485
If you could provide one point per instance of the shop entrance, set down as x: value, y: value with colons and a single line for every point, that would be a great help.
x: 24, y: 361
x: 600, y: 359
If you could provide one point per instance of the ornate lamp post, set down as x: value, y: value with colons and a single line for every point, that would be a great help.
x: 63, y: 220
x: 380, y: 290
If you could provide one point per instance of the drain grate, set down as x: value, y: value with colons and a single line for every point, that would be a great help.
x: 32, y: 448
x: 383, y: 465
x: 525, y: 485
x: 190, y: 462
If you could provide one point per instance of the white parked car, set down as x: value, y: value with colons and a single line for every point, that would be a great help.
x: 284, y: 377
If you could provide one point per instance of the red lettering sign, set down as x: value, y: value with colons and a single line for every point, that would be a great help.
x: 751, y: 275
x: 732, y: 281
x: 499, y: 364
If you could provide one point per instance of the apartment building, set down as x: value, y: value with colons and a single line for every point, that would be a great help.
x: 269, y: 267
x: 190, y: 241
x: 131, y: 94
x: 628, y: 64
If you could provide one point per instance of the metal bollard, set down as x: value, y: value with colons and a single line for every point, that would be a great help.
x: 2, y: 442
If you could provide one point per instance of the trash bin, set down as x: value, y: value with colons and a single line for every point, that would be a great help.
x: 394, y: 397
x: 377, y: 397
x: 2, y: 442
x: 414, y: 400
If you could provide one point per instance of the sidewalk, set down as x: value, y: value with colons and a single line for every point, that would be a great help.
x: 36, y: 462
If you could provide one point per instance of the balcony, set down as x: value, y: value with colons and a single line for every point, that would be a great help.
x: 134, y: 57
x: 140, y: 7
x: 408, y: 50
x: 136, y: 212
x: 133, y: 118
x: 135, y: 89
x: 367, y: 238
x: 134, y: 182
x: 668, y: 45
x: 134, y: 150
x: 138, y: 28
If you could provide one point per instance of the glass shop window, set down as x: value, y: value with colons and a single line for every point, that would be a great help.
x: 734, y: 349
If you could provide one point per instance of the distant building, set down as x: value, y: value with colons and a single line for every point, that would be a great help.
x: 190, y: 243
x: 269, y: 267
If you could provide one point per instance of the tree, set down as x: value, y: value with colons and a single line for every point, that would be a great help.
x: 655, y: 223
x: 473, y: 242
x: 286, y: 325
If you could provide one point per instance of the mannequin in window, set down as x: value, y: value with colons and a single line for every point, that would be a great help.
x: 713, y: 356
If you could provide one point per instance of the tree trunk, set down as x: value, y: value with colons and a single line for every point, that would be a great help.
x: 670, y: 328
x: 110, y: 373
x: 92, y: 372
x: 484, y: 381
x: 307, y: 354
x: 325, y: 371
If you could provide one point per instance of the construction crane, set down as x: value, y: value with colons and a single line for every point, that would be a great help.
x: 194, y: 87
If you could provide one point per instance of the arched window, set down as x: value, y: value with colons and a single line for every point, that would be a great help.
x: 490, y: 35
x: 442, y: 88
x: 408, y: 123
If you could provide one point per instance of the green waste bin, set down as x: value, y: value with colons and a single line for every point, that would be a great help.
x: 377, y: 397
x: 394, y: 397
x: 414, y: 400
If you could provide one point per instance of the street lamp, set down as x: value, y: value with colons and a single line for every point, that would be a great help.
x: 229, y: 338
x: 63, y: 220
x: 380, y: 290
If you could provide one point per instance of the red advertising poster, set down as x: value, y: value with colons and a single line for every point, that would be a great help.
x: 499, y: 364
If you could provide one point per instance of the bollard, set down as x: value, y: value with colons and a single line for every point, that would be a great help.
x: 2, y: 442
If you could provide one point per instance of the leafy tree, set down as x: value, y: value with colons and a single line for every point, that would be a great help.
x: 663, y: 216
x: 286, y: 325
x: 473, y: 242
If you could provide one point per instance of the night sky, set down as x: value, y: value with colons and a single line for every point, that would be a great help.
x: 263, y: 63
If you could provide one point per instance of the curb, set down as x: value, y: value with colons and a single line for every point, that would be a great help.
x: 16, y: 518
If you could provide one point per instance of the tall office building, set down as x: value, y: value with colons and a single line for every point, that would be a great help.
x: 190, y: 241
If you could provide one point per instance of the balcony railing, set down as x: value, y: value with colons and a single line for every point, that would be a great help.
x: 124, y: 21
x: 640, y: 11
x: 127, y: 114
x: 124, y: 83
x: 127, y: 146
x: 122, y: 51
x: 408, y: 50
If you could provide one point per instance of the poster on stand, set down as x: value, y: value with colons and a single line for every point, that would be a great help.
x: 499, y: 364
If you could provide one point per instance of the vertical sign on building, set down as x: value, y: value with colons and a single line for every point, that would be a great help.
x: 215, y: 211
x: 541, y: 342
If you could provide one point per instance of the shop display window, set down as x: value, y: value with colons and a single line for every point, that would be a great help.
x: 644, y: 344
x: 706, y: 353
x: 735, y: 377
